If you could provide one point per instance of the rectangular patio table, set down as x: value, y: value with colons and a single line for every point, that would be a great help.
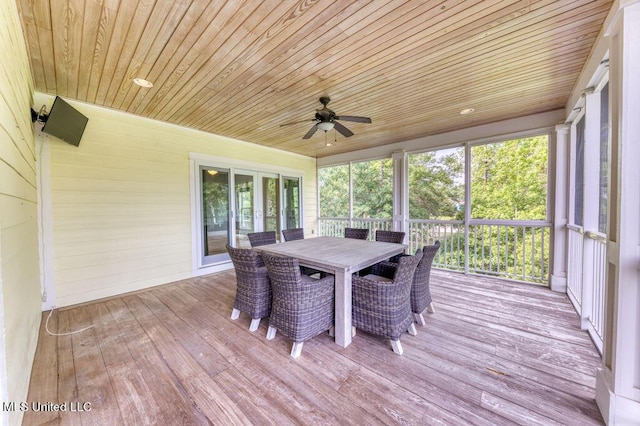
x: 340, y: 257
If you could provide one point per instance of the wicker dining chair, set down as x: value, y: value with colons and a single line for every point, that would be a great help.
x: 262, y: 238
x: 390, y: 236
x: 395, y: 237
x: 298, y: 234
x: 382, y: 306
x: 302, y: 307
x: 356, y: 233
x: 293, y: 234
x: 253, y: 291
x: 420, y: 291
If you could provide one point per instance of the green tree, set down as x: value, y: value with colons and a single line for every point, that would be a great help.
x: 373, y: 189
x: 436, y: 185
x: 333, y: 187
x: 509, y: 180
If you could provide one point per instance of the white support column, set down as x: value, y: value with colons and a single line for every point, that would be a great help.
x: 591, y: 184
x: 350, y: 194
x: 558, y: 273
x: 400, y: 192
x: 618, y: 381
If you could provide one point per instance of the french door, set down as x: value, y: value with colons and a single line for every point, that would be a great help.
x: 291, y: 202
x: 234, y: 202
x: 270, y: 208
x: 245, y: 212
x: 215, y: 213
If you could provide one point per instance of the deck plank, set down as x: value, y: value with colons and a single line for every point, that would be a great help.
x: 167, y: 395
x: 494, y: 353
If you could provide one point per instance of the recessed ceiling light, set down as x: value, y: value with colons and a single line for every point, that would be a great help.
x: 143, y: 83
x: 467, y: 111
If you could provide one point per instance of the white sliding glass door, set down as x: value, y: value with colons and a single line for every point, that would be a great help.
x: 245, y: 207
x: 215, y: 225
x: 270, y: 206
x: 291, y: 202
x: 230, y: 202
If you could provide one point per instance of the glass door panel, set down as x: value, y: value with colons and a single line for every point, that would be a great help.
x: 244, y: 184
x: 270, y: 203
x: 291, y: 202
x: 215, y: 213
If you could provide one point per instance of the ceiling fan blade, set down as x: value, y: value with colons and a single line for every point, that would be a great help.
x: 343, y: 130
x: 311, y: 132
x: 298, y: 122
x: 354, y: 118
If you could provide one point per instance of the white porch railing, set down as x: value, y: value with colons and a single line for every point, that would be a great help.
x: 334, y: 226
x: 517, y: 250
x: 450, y: 233
x: 598, y: 264
x: 587, y: 257
x: 574, y: 265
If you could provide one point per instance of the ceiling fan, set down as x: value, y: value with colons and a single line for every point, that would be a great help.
x: 326, y: 119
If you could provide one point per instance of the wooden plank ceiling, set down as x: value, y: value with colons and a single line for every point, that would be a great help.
x: 243, y: 68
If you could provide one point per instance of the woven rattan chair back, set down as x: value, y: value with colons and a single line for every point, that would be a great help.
x: 262, y: 238
x: 420, y: 292
x: 293, y: 234
x: 390, y: 236
x: 356, y: 233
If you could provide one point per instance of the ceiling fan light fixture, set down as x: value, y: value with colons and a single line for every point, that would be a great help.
x: 325, y: 125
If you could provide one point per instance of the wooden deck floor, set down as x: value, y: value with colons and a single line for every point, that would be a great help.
x: 494, y: 353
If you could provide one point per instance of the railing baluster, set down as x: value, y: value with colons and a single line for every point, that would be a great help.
x: 533, y: 262
x: 542, y: 271
x: 506, y: 250
x: 491, y: 249
x: 482, y: 248
x: 447, y: 242
x: 498, y: 249
x: 524, y: 245
x: 458, y: 233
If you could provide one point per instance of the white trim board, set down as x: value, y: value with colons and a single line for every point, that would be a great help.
x: 45, y: 220
x: 243, y: 164
x: 507, y: 129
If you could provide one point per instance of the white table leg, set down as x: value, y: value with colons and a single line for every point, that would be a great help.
x: 343, y: 308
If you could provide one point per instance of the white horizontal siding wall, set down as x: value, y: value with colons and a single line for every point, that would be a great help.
x: 121, y: 207
x: 20, y: 301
